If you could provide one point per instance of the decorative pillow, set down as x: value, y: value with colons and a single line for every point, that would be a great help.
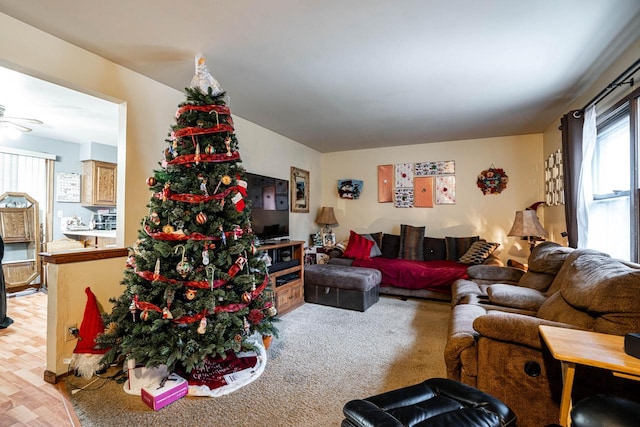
x: 458, y: 246
x: 411, y: 241
x: 358, y: 247
x: 377, y: 237
x: 390, y: 246
x: 375, y: 250
x: 478, y: 252
x: 435, y: 249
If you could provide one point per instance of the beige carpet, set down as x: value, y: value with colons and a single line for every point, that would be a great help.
x: 324, y: 357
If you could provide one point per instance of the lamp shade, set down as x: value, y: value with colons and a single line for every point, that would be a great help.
x: 326, y: 217
x: 526, y: 224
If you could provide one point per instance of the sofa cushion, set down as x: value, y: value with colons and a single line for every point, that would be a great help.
x: 434, y: 249
x: 556, y: 309
x: 457, y: 246
x: 358, y: 246
x: 411, y: 242
x: 390, y: 245
x: 515, y: 297
x: 478, y: 252
x: 375, y: 249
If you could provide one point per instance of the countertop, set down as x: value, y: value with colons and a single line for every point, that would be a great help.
x: 91, y: 233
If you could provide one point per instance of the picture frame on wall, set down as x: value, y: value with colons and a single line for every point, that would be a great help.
x: 299, y: 190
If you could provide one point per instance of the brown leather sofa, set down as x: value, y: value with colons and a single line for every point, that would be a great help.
x: 500, y: 350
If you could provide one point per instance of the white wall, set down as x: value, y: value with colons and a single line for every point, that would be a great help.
x: 489, y: 216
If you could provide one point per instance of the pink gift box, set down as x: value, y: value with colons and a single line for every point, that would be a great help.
x: 161, y: 393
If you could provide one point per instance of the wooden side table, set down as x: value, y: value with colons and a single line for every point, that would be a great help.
x: 575, y: 347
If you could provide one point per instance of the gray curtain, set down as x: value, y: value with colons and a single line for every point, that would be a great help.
x: 571, y: 124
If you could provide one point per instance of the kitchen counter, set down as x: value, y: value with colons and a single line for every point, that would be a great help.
x: 91, y: 233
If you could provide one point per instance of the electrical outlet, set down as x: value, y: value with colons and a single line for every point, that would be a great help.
x: 71, y: 332
x: 66, y: 361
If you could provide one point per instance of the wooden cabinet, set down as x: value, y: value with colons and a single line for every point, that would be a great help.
x: 286, y: 274
x: 98, y: 183
x: 19, y: 228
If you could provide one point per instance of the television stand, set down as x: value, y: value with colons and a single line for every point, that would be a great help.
x: 286, y: 273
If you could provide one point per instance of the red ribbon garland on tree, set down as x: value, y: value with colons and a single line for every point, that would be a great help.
x: 204, y: 158
x: 230, y: 308
x: 220, y: 109
x: 197, y: 198
x: 189, y: 131
x: 201, y: 284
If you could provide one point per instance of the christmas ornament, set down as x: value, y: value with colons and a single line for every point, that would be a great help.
x: 205, y: 256
x: 169, y: 295
x: 196, y: 157
x: 202, y: 328
x: 156, y: 270
x: 190, y: 294
x: 271, y: 311
x: 209, y: 149
x: 223, y: 236
x: 132, y: 310
x: 144, y: 315
x: 168, y: 229
x: 238, y: 202
x: 154, y: 218
x: 246, y: 297
x: 166, y: 191
x: 237, y: 266
x: 203, y: 79
x: 151, y: 181
x: 227, y: 143
x: 210, y: 270
x: 245, y: 325
x: 201, y: 218
x: 166, y: 314
x: 226, y: 180
x: 203, y: 187
x: 184, y: 267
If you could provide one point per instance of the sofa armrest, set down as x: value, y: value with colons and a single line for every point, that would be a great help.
x: 514, y: 328
x: 494, y: 274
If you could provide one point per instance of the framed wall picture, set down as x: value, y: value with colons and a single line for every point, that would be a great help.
x: 299, y: 190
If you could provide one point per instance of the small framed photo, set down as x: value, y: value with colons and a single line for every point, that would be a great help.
x: 328, y: 240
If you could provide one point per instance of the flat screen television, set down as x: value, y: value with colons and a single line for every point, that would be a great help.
x: 269, y: 206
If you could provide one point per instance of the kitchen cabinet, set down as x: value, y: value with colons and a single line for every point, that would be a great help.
x: 20, y: 230
x: 98, y: 186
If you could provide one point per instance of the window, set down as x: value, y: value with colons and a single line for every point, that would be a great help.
x: 612, y: 212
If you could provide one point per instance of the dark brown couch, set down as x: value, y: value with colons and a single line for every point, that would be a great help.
x: 501, y: 352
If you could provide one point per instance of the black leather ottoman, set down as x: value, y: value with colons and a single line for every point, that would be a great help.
x: 341, y: 286
x: 437, y: 402
x: 603, y: 410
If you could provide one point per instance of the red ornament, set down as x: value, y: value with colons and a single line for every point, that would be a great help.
x: 201, y: 218
x: 151, y: 181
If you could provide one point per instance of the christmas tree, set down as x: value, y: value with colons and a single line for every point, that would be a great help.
x: 196, y: 285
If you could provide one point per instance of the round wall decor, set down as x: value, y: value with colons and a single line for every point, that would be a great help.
x: 492, y: 180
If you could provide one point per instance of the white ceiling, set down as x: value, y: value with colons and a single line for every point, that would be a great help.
x: 340, y: 75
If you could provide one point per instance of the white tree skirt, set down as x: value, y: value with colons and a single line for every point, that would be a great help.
x: 140, y: 376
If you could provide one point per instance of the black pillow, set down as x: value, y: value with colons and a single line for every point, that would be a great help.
x: 435, y: 249
x: 390, y: 246
x: 458, y: 246
x: 411, y: 242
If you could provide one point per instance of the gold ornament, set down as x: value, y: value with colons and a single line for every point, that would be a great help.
x: 226, y: 180
x: 168, y: 229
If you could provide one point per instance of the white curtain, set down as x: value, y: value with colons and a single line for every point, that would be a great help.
x: 585, y: 183
x: 24, y: 174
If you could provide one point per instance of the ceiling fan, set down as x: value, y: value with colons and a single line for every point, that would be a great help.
x: 17, y: 123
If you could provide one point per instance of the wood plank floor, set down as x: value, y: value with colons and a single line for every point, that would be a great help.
x: 25, y: 398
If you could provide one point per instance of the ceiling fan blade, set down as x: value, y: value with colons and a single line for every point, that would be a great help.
x: 12, y: 125
x: 23, y: 119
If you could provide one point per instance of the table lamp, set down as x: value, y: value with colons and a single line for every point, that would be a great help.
x: 527, y: 226
x: 327, y: 218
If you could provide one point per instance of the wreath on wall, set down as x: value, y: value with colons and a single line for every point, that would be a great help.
x: 492, y: 181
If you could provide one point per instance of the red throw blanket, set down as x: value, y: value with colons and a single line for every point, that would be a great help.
x: 437, y: 276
